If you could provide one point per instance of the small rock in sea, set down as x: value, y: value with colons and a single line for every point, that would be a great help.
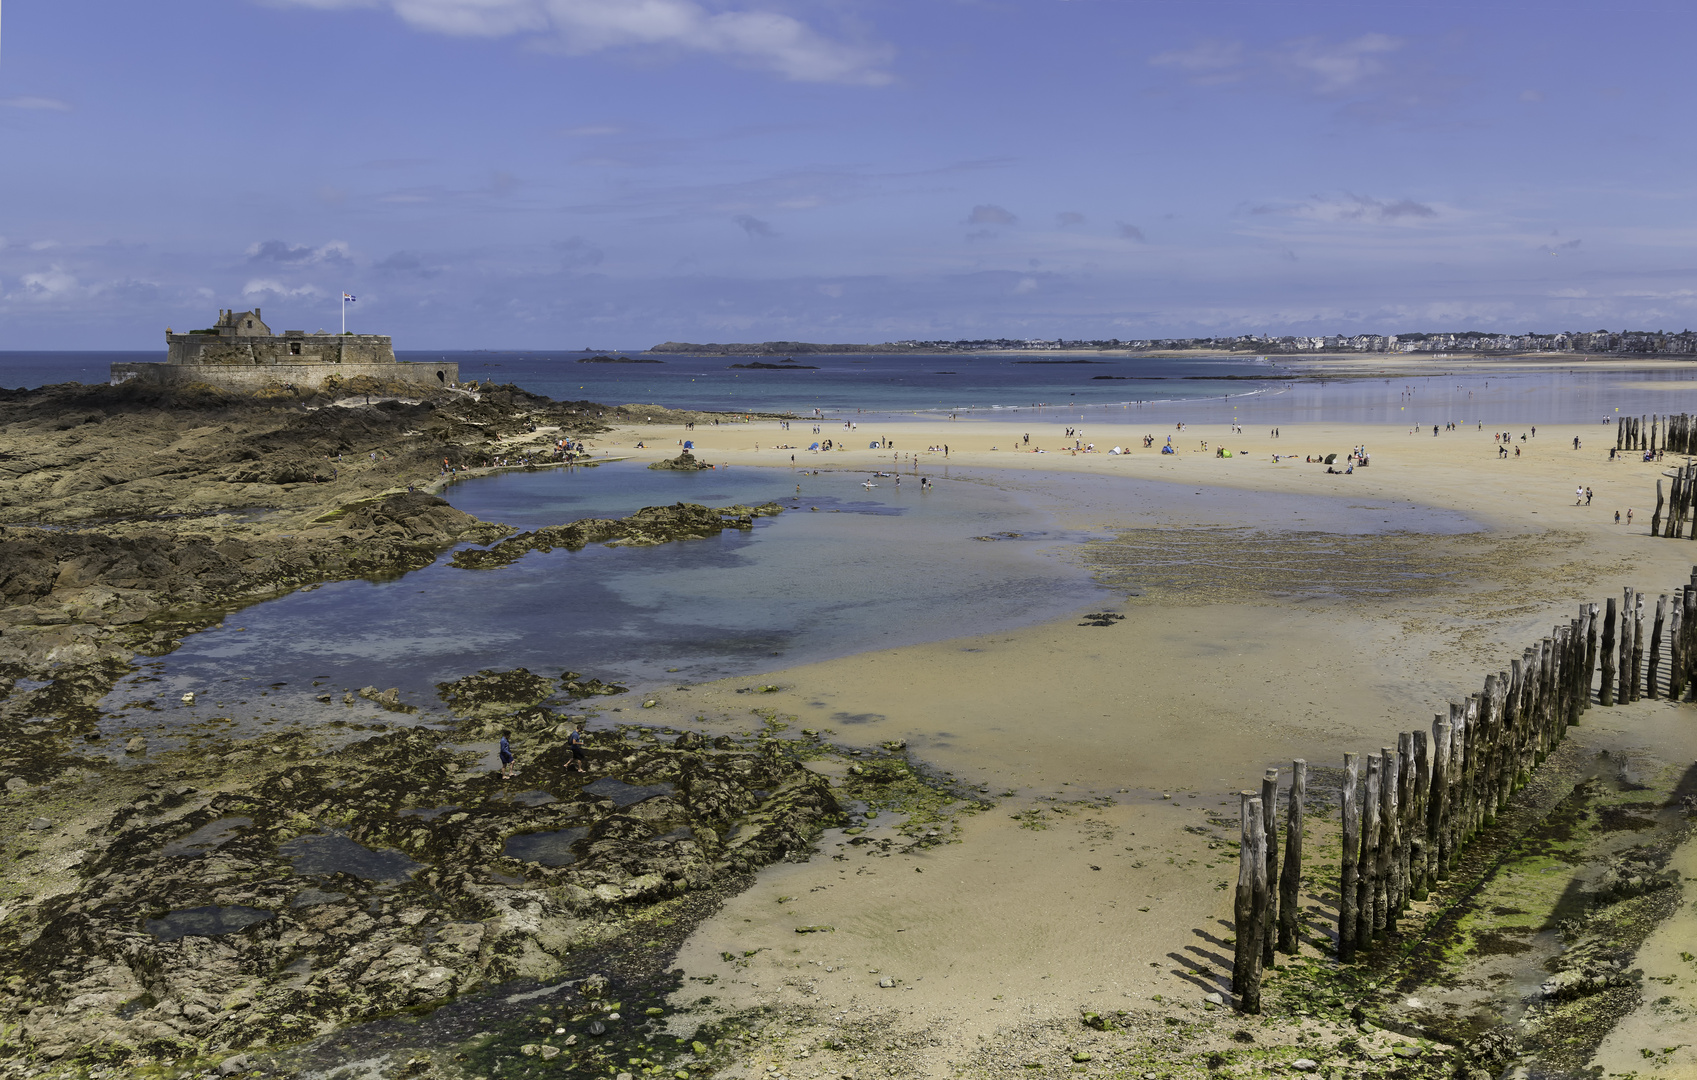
x: 325, y: 698
x: 596, y: 1027
x: 549, y: 1053
x: 886, y: 982
x: 650, y: 703
x: 40, y: 824
x: 17, y: 784
x: 136, y: 745
x: 188, y: 698
x: 530, y: 1049
x: 1305, y: 1064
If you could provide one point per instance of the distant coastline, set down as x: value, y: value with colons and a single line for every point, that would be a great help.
x: 1470, y: 343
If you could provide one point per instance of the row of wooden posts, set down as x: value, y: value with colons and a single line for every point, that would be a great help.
x: 1675, y: 434
x: 1679, y: 506
x: 1430, y: 794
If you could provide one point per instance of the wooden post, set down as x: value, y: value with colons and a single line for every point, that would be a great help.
x: 1624, y: 694
x: 1405, y: 818
x: 1251, y: 906
x: 1290, y: 879
x: 1247, y: 948
x: 1676, y: 644
x: 1351, y: 844
x: 1366, y: 881
x: 1606, y: 689
x: 1390, y: 778
x: 1420, y: 847
x: 1437, y: 812
x: 1638, y: 646
x: 1656, y: 517
x: 1620, y: 435
x: 1590, y: 652
x: 1651, y: 677
x: 1270, y: 828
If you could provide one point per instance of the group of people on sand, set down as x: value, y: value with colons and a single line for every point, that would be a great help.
x: 574, y: 742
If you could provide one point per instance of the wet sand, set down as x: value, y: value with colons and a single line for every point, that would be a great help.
x: 1193, y: 695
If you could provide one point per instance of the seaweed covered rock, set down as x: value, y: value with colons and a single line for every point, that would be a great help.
x: 491, y: 693
x: 684, y: 462
x: 649, y: 526
x: 385, y: 875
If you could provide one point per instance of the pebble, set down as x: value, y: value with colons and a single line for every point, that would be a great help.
x: 1213, y: 999
x: 1305, y: 1064
x: 530, y: 1049
x: 16, y: 784
x: 886, y: 982
x: 596, y: 1027
x: 549, y: 1053
x: 136, y: 745
x: 40, y: 824
x: 231, y: 1066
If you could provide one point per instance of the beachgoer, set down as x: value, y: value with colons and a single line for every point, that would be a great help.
x: 1629, y: 515
x: 507, y: 759
x: 1587, y: 496
x: 1578, y: 495
x: 1617, y: 517
x: 580, y: 760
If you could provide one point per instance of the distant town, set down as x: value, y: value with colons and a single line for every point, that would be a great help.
x: 1471, y: 342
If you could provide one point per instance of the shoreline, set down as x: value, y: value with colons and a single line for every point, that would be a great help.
x: 1199, y: 688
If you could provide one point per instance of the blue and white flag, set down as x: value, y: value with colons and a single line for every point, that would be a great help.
x: 348, y: 298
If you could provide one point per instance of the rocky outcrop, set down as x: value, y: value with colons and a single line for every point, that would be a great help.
x: 684, y: 462
x: 383, y: 876
x: 648, y: 526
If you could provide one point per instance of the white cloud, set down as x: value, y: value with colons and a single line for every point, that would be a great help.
x: 1323, y: 67
x: 765, y: 39
x: 1026, y: 285
x: 1330, y: 67
x: 47, y: 103
x: 277, y: 251
x: 44, y: 245
x: 269, y: 286
x: 50, y: 284
x: 1348, y: 207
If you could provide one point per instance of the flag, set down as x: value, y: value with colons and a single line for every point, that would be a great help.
x: 348, y: 298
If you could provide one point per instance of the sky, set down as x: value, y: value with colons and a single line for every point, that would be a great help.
x: 572, y: 174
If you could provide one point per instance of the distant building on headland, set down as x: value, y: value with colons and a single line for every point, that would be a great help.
x: 239, y: 352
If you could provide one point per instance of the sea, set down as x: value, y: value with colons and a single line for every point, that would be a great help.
x: 856, y: 562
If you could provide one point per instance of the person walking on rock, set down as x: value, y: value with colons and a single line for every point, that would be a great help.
x: 507, y: 759
x: 580, y: 759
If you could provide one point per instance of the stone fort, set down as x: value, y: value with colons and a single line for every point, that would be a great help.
x: 239, y: 352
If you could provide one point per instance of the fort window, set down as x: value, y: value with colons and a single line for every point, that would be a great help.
x: 294, y: 348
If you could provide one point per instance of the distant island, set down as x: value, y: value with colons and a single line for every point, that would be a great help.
x: 1467, y: 342
x: 1060, y: 361
x: 787, y: 365
x: 619, y: 360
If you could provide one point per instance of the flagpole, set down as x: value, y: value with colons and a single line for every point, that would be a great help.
x: 344, y: 312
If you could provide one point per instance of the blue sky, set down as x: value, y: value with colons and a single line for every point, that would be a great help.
x: 615, y: 173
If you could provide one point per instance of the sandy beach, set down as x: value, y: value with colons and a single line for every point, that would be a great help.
x: 1117, y: 742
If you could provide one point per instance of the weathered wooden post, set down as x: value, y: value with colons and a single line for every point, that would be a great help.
x: 1624, y: 694
x: 1651, y: 687
x: 1290, y: 879
x: 1263, y: 897
x: 1351, y: 846
x: 1590, y: 653
x: 1246, y: 948
x: 1385, y: 906
x: 1405, y: 818
x: 1676, y: 644
x: 1270, y: 828
x: 1638, y: 646
x: 1656, y: 517
x: 1367, y: 885
x: 1437, y: 814
x: 1420, y: 846
x: 1606, y: 689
